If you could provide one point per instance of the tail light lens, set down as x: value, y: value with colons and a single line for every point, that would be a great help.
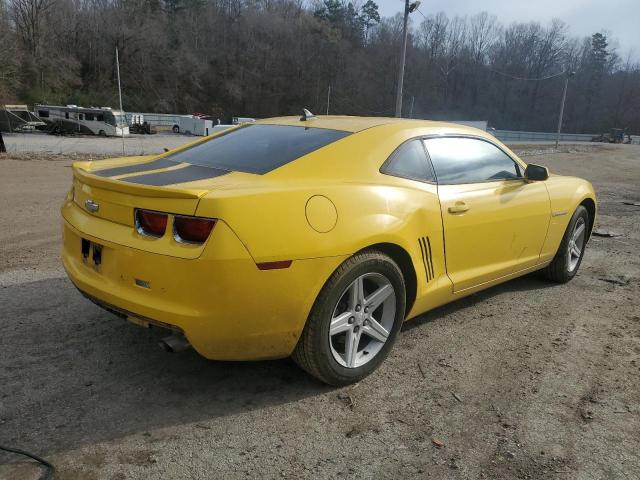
x: 192, y: 229
x: 151, y: 223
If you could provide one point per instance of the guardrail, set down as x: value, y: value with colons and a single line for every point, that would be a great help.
x: 511, y: 135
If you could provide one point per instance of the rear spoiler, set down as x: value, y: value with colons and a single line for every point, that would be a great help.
x: 135, y: 189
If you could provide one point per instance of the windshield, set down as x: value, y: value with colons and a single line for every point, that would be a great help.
x: 115, y: 120
x: 257, y: 148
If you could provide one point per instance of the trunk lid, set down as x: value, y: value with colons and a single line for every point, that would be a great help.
x: 108, y: 193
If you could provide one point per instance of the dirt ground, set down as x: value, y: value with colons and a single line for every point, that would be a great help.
x: 526, y: 380
x: 92, y: 145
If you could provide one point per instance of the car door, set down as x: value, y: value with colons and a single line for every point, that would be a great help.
x: 494, y: 222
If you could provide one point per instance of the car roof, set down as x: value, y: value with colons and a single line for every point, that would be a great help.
x: 356, y: 124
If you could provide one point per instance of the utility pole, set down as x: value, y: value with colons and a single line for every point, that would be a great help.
x: 120, y: 96
x: 408, y: 8
x: 328, y: 98
x: 564, y: 98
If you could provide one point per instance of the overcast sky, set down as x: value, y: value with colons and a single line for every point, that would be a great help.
x: 584, y: 17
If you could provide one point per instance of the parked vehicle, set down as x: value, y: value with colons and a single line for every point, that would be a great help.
x: 195, y: 125
x: 18, y: 118
x: 73, y: 119
x: 140, y: 126
x: 315, y: 237
x: 242, y: 120
x: 616, y: 135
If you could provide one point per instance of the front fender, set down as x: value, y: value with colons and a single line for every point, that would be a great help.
x: 565, y: 195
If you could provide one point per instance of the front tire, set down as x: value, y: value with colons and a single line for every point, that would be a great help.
x: 354, y: 321
x: 568, y: 258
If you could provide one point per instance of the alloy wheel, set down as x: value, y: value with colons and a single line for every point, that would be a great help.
x: 362, y: 320
x: 576, y: 243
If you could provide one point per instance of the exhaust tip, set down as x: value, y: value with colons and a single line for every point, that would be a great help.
x: 174, y: 343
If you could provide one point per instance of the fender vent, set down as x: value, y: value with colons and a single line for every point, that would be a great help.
x: 427, y: 260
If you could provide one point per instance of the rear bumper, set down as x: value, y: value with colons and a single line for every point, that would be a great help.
x: 226, y: 307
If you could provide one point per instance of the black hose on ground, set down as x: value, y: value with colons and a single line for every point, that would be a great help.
x: 50, y: 468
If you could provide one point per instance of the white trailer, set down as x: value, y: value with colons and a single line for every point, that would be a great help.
x: 192, y: 125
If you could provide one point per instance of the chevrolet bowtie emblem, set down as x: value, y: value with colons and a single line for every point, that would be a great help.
x: 91, y: 206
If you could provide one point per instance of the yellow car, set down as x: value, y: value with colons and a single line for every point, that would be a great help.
x: 315, y: 237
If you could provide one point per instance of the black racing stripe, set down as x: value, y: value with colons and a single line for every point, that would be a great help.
x: 141, y: 167
x: 180, y: 175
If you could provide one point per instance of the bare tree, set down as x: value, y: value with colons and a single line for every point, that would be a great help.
x: 28, y: 16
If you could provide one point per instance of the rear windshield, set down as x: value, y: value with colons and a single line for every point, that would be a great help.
x: 257, y: 148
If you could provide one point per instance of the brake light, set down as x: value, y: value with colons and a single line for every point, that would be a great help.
x: 151, y: 223
x: 192, y: 229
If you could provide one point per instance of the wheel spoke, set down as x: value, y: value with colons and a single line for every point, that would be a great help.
x: 340, y: 323
x: 576, y: 251
x: 364, y: 297
x: 375, y: 330
x: 356, y: 293
x: 380, y: 295
x: 351, y: 347
x: 577, y: 233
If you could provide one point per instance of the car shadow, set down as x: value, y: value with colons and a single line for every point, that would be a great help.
x: 72, y: 374
x: 530, y: 282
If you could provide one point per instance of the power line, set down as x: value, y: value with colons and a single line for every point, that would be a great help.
x: 420, y: 12
x: 526, y: 79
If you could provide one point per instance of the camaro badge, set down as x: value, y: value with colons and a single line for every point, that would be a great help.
x: 91, y: 206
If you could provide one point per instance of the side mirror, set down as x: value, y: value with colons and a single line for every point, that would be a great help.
x: 536, y: 173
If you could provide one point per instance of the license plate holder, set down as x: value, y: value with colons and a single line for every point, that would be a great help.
x: 91, y: 249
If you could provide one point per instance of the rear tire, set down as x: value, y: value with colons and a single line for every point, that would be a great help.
x: 569, y: 256
x: 354, y: 321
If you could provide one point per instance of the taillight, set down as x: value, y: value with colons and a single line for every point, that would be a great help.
x: 192, y: 229
x: 151, y: 223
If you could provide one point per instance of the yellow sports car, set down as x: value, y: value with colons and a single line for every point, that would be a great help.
x: 315, y: 237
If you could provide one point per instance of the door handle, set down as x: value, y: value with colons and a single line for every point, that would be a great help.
x: 459, y: 207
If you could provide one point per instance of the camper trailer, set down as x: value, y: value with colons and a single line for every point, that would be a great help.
x: 90, y: 121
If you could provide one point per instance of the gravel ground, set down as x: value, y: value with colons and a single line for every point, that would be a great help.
x: 526, y: 380
x: 84, y: 144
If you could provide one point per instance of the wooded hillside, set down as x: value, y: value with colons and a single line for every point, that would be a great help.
x: 271, y: 57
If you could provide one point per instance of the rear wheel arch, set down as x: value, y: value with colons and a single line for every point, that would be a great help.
x: 590, y: 205
x: 402, y: 258
x: 316, y: 351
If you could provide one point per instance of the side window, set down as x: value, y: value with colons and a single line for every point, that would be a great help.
x: 410, y: 161
x: 89, y: 116
x: 468, y: 160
